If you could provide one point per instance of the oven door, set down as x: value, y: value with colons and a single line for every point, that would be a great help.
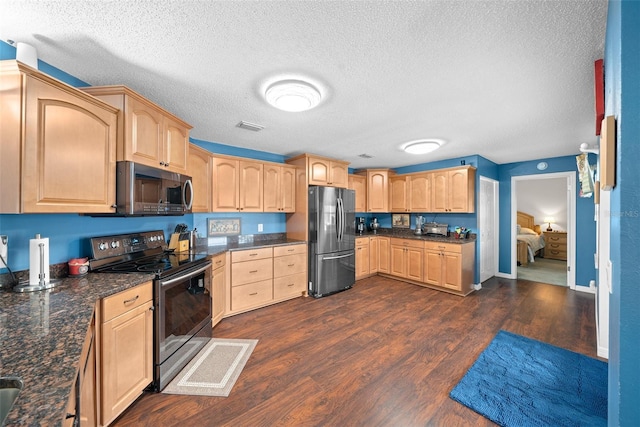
x: 182, y: 323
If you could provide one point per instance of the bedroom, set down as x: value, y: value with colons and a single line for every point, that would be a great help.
x: 543, y: 231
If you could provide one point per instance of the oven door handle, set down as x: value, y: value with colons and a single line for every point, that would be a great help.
x: 188, y: 276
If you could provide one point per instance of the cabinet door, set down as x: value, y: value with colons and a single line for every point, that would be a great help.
x: 384, y: 255
x: 176, y: 142
x: 69, y: 153
x: 452, y: 271
x: 459, y: 191
x: 143, y: 133
x: 319, y: 171
x: 127, y: 360
x: 398, y: 194
x: 200, y: 170
x: 218, y: 284
x: 272, y: 185
x: 439, y: 200
x: 362, y: 258
x: 338, y: 176
x: 432, y: 267
x: 250, y: 183
x: 414, y: 259
x: 420, y: 193
x: 398, y: 261
x: 378, y: 191
x: 359, y: 185
x: 288, y: 189
x: 373, y: 255
x: 225, y: 185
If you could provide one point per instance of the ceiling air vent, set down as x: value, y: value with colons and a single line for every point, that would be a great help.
x: 250, y: 126
x: 365, y: 156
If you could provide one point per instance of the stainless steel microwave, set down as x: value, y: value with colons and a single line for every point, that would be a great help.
x: 144, y: 190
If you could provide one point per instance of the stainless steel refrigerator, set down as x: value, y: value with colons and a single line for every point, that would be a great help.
x: 332, y: 233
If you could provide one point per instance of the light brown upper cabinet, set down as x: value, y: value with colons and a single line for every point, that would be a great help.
x: 454, y: 190
x: 377, y: 189
x: 200, y: 170
x: 237, y: 185
x: 279, y: 188
x: 359, y: 185
x: 148, y: 134
x: 58, y: 146
x: 323, y: 170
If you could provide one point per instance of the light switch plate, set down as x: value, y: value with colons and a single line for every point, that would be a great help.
x: 4, y: 250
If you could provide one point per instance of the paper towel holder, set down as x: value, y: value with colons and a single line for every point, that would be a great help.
x: 41, y: 284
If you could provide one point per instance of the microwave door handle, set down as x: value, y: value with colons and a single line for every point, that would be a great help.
x: 184, y: 194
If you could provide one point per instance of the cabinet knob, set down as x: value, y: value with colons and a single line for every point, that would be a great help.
x: 152, y: 308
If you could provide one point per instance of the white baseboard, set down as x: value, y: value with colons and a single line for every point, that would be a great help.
x: 505, y: 275
x: 585, y: 289
x: 477, y: 286
x: 603, y: 352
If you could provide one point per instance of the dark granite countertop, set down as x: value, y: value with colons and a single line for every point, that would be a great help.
x: 42, y: 333
x: 409, y: 234
x: 41, y: 338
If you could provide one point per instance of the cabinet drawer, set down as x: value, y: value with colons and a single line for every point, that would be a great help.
x: 240, y: 256
x: 408, y: 243
x: 218, y: 261
x: 251, y: 295
x: 294, y: 284
x: 555, y: 254
x: 552, y: 238
x: 120, y: 303
x: 251, y: 271
x: 290, y: 264
x: 362, y: 241
x: 289, y: 250
x: 446, y: 247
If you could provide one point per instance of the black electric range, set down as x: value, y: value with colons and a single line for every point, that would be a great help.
x: 144, y: 252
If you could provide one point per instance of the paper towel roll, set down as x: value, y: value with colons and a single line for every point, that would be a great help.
x: 27, y: 54
x: 38, y: 260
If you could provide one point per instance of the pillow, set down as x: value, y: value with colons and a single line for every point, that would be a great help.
x: 525, y: 230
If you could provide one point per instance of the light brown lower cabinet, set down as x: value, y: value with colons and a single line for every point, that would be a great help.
x: 450, y: 266
x: 126, y: 363
x: 363, y: 256
x: 81, y: 409
x: 264, y: 276
x: 406, y: 258
x: 218, y: 288
x: 384, y: 255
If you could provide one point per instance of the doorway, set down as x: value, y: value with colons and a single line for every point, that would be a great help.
x: 547, y: 197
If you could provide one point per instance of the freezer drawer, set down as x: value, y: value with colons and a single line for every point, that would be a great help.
x: 331, y: 273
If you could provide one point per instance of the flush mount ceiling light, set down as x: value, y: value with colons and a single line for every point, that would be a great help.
x: 293, y: 95
x: 421, y: 146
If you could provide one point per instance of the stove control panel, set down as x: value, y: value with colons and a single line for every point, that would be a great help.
x: 112, y: 246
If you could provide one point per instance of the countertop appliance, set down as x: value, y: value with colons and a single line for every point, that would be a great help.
x: 143, y: 190
x: 181, y: 298
x: 331, y: 240
x: 435, y: 229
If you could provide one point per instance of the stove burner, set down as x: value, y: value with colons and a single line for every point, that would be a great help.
x: 162, y: 265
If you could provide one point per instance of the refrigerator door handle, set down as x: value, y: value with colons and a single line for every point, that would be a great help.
x: 339, y: 219
x: 338, y: 257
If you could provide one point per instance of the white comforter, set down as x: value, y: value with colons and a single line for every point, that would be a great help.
x: 534, y: 243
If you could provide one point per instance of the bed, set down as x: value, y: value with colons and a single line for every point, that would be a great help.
x: 529, y: 238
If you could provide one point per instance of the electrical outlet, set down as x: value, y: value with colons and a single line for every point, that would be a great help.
x: 260, y: 228
x: 4, y: 250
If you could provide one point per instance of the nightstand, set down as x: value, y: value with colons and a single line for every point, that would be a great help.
x: 555, y: 245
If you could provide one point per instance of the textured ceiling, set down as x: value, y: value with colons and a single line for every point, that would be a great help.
x: 508, y: 80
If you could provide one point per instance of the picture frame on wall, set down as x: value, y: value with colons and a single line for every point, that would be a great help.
x: 400, y: 221
x: 218, y: 227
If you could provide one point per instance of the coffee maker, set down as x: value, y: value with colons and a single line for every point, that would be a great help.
x: 360, y: 225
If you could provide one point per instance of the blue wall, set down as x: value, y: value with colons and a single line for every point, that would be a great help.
x: 585, y: 224
x: 622, y: 99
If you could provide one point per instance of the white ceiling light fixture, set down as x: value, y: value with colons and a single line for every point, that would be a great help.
x: 293, y: 95
x: 421, y: 146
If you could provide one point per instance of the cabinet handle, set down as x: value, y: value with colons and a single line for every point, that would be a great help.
x: 152, y: 308
x: 290, y: 265
x: 255, y: 293
x: 131, y: 300
x: 253, y: 254
x: 253, y: 271
x: 290, y: 285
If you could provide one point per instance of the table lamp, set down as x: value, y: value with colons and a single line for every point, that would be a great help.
x: 549, y: 220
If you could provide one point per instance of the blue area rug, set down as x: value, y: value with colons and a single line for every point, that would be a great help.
x: 517, y: 381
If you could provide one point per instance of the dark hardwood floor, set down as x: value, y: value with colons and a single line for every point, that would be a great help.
x: 384, y: 353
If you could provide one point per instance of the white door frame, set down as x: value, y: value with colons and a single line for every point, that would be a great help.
x: 496, y: 225
x: 571, y: 221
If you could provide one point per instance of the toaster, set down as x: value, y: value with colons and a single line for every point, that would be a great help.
x: 435, y: 229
